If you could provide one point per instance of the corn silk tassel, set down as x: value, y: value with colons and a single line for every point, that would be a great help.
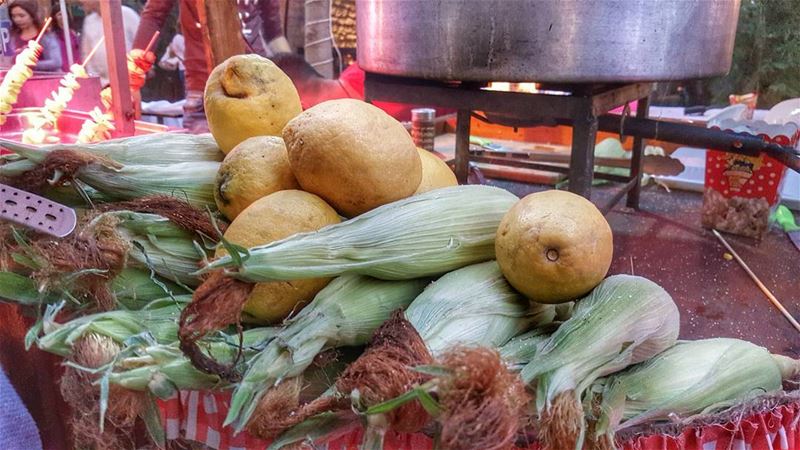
x: 465, y: 308
x: 690, y: 378
x: 344, y: 313
x: 420, y: 236
x: 623, y: 321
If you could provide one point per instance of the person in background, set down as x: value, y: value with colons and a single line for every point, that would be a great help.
x: 58, y: 30
x: 154, y: 15
x: 172, y: 60
x: 18, y: 431
x: 93, y: 32
x: 25, y: 26
x: 262, y: 29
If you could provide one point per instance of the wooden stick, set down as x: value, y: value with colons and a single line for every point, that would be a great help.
x: 44, y: 28
x: 758, y: 282
x: 152, y: 41
x: 93, y: 51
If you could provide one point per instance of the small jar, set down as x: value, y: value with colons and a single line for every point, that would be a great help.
x: 423, y: 129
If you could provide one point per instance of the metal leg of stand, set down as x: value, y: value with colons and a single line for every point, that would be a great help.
x: 581, y: 166
x: 638, y: 153
x: 462, y: 145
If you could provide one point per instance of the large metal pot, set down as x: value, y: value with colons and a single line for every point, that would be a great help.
x: 563, y: 41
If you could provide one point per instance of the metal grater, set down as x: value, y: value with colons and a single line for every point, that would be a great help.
x: 35, y: 212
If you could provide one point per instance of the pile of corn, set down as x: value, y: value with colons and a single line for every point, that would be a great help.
x: 402, y: 316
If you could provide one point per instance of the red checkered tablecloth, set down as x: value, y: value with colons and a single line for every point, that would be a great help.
x: 198, y: 416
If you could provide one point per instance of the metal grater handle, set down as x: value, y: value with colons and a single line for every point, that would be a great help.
x: 35, y: 212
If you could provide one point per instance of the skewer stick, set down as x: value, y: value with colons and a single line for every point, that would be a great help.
x: 152, y: 41
x: 44, y: 28
x: 93, y: 51
x: 758, y: 282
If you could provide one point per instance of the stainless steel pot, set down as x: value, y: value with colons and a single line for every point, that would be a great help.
x: 562, y: 41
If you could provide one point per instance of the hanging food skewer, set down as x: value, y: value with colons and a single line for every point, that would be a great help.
x: 139, y: 63
x: 99, y: 127
x: 19, y: 73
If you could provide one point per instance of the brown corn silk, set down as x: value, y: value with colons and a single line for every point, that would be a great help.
x: 83, y: 397
x: 176, y: 210
x: 65, y: 162
x: 98, y: 248
x: 217, y: 303
x: 383, y: 372
x: 481, y: 401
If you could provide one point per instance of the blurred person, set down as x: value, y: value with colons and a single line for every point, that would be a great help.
x: 195, y: 64
x: 172, y: 60
x: 93, y: 32
x: 262, y: 27
x: 18, y: 430
x: 74, y: 41
x: 25, y: 26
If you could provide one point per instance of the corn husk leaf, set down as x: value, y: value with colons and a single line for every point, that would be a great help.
x: 687, y: 379
x: 163, y: 369
x: 623, y: 321
x: 23, y: 290
x: 159, y: 321
x: 344, y: 313
x: 157, y: 244
x: 521, y: 349
x: 146, y: 149
x: 424, y: 235
x: 474, y: 305
x: 135, y: 288
x: 190, y: 181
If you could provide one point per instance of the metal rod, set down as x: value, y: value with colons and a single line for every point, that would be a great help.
x: 113, y: 29
x: 699, y: 137
x: 584, y: 132
x: 462, y: 145
x: 758, y: 282
x: 637, y: 161
x: 67, y: 35
x: 626, y: 189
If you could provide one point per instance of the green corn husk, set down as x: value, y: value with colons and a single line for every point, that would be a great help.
x: 190, y: 181
x: 474, y: 305
x: 163, y: 369
x: 521, y: 350
x: 146, y: 149
x: 22, y: 290
x: 424, y: 235
x: 156, y: 243
x: 623, y: 321
x: 689, y: 378
x: 344, y: 313
x: 134, y: 288
x: 159, y: 320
